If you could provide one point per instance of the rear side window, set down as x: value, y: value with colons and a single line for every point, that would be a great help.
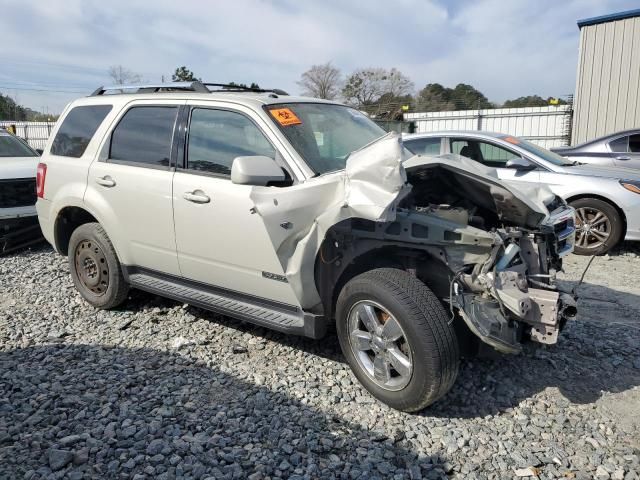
x: 217, y: 137
x: 144, y: 136
x: 77, y: 129
x: 423, y: 146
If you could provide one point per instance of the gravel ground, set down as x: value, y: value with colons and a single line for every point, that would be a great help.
x: 163, y: 390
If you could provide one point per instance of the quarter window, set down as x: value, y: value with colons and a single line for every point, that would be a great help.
x: 634, y: 143
x: 77, y: 129
x: 619, y: 145
x: 144, y: 136
x: 424, y: 146
x: 217, y: 137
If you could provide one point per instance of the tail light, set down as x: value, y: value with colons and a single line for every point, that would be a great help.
x: 40, y: 178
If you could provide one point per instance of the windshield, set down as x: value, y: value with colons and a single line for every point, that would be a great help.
x: 543, y: 153
x: 12, y: 147
x: 324, y: 134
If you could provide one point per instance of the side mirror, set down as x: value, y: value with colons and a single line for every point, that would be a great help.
x: 519, y: 163
x: 255, y: 170
x: 39, y: 151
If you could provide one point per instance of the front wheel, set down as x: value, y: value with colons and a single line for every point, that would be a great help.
x: 396, y: 337
x: 598, y: 226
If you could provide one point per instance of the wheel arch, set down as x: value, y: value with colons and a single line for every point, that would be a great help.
x: 602, y: 198
x: 67, y: 220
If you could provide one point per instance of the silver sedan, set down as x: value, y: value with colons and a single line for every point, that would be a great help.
x: 620, y: 149
x: 606, y: 199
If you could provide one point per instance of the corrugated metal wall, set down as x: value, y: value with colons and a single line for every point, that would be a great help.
x: 607, y: 95
x: 546, y: 126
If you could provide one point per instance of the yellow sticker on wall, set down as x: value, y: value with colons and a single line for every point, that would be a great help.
x: 285, y: 116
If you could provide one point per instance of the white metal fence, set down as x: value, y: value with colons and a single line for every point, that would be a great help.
x: 546, y: 126
x: 35, y: 133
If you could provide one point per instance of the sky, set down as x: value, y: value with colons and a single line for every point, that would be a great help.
x: 53, y: 51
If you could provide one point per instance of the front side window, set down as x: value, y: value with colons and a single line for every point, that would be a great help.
x: 620, y: 145
x: 486, y: 153
x: 11, y: 146
x: 324, y: 135
x: 423, y: 146
x: 634, y: 143
x: 217, y: 137
x: 144, y: 136
x: 77, y: 129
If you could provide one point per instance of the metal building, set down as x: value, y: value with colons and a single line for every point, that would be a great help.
x: 607, y: 97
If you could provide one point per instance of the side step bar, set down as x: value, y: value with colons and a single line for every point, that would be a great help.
x: 283, y: 318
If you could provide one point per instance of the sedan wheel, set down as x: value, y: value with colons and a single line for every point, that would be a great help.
x: 599, y: 226
x: 593, y: 228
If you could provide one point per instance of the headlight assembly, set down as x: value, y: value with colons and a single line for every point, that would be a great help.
x: 631, y: 185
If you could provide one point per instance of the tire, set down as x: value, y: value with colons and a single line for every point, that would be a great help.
x: 596, y: 238
x: 428, y: 340
x: 95, y: 268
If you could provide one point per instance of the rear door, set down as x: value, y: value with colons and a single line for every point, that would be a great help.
x: 626, y: 151
x: 221, y: 240
x: 130, y: 185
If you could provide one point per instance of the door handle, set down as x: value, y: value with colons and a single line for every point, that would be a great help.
x: 623, y: 157
x: 106, y: 181
x: 196, y: 196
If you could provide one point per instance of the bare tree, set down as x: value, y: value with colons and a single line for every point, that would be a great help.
x: 123, y: 76
x: 365, y: 86
x: 398, y: 84
x: 321, y: 81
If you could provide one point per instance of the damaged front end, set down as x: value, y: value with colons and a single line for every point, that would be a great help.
x: 488, y: 249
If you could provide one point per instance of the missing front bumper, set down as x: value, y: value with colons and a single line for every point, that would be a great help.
x: 496, y: 326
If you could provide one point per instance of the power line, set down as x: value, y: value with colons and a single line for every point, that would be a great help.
x: 9, y: 87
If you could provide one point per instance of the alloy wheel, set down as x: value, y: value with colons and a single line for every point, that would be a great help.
x: 593, y: 227
x: 380, y: 345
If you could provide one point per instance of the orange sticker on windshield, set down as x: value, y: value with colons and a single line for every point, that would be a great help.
x: 513, y: 140
x: 285, y: 116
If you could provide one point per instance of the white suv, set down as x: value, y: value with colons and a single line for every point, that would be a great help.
x: 295, y: 213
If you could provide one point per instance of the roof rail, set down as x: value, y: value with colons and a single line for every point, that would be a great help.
x: 194, y: 86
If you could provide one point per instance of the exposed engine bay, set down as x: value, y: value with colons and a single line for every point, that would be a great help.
x: 486, y: 253
x: 488, y: 248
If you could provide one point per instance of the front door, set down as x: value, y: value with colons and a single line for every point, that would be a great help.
x: 221, y: 240
x: 494, y: 156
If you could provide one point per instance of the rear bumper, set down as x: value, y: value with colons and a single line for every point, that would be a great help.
x: 43, y: 208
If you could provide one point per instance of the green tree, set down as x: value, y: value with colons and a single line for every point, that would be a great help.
x: 183, y: 74
x: 532, y: 101
x: 434, y: 98
x: 10, y: 110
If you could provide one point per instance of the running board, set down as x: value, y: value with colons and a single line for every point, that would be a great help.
x: 283, y: 318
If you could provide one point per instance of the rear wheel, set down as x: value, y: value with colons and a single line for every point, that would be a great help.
x: 598, y: 226
x: 95, y: 268
x: 396, y: 336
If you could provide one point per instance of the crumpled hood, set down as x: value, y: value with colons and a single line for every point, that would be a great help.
x: 603, y: 171
x: 514, y: 201
x: 18, y: 167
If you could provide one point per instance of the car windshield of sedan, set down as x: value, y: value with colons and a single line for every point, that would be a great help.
x: 324, y: 134
x: 543, y: 153
x: 12, y: 147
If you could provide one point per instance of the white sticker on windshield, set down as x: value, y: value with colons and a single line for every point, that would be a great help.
x: 319, y: 138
